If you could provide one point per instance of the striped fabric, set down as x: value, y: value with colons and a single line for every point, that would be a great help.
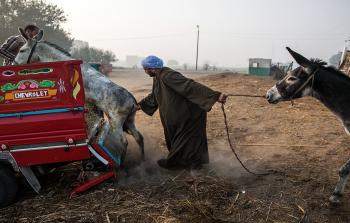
x: 10, y: 48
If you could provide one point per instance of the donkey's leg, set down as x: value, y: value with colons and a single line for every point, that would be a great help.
x: 110, y: 141
x: 113, y: 138
x: 119, y: 136
x: 117, y: 122
x: 340, y: 186
x: 131, y: 128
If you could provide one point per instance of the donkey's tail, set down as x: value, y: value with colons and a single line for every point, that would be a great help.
x: 129, y: 127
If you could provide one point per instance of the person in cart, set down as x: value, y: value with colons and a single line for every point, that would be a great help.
x: 183, y: 105
x: 10, y: 48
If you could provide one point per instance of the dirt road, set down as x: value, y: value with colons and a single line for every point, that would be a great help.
x: 302, y: 146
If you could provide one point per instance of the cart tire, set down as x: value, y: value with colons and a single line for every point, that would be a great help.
x: 8, y: 186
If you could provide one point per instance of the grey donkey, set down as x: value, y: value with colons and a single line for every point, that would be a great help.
x: 115, y: 102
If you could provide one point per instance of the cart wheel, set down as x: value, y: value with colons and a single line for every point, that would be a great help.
x: 8, y: 186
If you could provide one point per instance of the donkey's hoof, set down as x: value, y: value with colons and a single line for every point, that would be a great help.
x: 335, y: 199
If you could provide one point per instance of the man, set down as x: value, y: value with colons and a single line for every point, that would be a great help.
x: 183, y: 105
x: 10, y: 48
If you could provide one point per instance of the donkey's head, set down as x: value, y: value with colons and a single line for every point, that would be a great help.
x: 35, y: 50
x: 27, y: 53
x: 297, y: 83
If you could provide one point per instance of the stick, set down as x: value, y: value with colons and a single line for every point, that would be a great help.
x: 300, y: 208
x: 268, y: 213
x: 304, y: 214
x: 107, y: 217
x: 237, y: 196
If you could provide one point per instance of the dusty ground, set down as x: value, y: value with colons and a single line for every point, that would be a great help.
x: 301, y: 146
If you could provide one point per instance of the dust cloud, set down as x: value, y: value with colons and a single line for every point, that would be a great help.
x: 222, y: 164
x: 135, y: 170
x: 222, y: 161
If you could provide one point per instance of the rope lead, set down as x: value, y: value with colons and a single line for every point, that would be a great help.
x: 233, y: 146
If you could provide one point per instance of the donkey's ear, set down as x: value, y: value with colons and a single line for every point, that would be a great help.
x: 21, y: 31
x: 301, y: 60
x: 38, y: 37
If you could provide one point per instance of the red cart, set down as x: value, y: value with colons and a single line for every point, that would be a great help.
x: 42, y: 123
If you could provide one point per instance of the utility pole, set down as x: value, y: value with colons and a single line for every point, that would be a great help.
x: 197, y: 47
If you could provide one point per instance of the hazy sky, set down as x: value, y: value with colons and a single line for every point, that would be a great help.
x: 231, y: 31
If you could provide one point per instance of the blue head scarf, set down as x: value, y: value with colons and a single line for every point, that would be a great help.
x: 152, y: 62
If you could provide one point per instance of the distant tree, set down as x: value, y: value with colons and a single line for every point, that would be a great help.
x: 108, y: 57
x: 49, y: 17
x: 91, y: 54
x: 206, y: 66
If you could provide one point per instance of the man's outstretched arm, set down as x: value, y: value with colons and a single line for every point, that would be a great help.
x: 195, y: 92
x: 148, y: 105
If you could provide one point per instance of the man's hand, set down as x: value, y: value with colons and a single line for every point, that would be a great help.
x: 222, y: 98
